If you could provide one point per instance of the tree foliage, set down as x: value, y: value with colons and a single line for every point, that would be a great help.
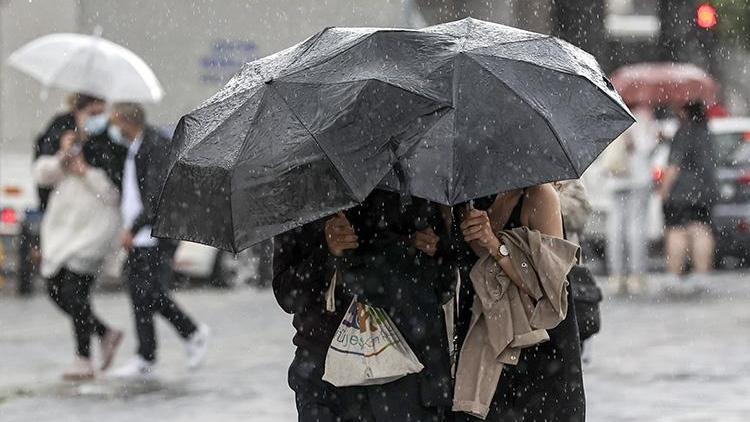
x: 734, y: 20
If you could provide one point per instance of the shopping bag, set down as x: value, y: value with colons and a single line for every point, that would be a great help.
x: 368, y: 349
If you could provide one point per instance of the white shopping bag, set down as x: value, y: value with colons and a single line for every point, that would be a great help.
x: 368, y: 349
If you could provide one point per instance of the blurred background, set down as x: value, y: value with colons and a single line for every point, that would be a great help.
x: 195, y: 46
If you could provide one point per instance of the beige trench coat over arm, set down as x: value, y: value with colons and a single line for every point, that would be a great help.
x: 506, y: 318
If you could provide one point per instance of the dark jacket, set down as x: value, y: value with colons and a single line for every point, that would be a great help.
x: 693, y: 153
x: 384, y: 271
x: 151, y: 171
x: 48, y: 143
x: 100, y: 151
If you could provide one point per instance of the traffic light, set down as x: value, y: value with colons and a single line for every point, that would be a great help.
x: 705, y: 16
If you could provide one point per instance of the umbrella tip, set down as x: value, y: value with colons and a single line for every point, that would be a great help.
x: 98, y: 31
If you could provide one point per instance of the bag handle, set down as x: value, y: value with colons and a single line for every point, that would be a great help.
x: 330, y: 295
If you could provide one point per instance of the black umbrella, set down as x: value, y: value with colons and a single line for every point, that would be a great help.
x: 526, y: 109
x: 466, y: 109
x: 278, y: 146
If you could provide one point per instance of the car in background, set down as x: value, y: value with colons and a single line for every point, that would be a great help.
x: 19, y: 223
x: 731, y: 214
x: 201, y: 265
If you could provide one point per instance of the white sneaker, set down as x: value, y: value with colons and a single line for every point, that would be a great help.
x: 196, y: 346
x: 137, y: 367
x: 696, y: 284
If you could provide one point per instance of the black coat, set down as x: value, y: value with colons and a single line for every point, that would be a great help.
x: 384, y: 271
x: 100, y: 151
x: 151, y: 172
x: 547, y: 383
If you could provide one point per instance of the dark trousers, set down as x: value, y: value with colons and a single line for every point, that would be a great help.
x: 71, y: 292
x: 149, y: 296
x: 27, y: 245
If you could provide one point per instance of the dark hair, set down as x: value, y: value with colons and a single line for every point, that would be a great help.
x: 80, y: 101
x: 695, y: 110
x: 131, y: 112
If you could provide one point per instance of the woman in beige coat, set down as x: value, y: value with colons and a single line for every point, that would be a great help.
x: 546, y: 384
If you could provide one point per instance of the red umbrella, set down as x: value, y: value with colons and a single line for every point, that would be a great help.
x: 664, y: 83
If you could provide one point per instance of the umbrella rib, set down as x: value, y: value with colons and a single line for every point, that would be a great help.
x: 338, y: 53
x: 327, y: 59
x: 314, y: 42
x: 539, y: 113
x: 341, y: 176
x: 454, y: 100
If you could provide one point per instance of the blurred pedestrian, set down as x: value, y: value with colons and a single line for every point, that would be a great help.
x: 87, y: 115
x: 143, y: 175
x: 689, y: 190
x: 628, y: 161
x: 575, y: 207
x: 542, y: 378
x: 385, y: 262
x: 79, y: 229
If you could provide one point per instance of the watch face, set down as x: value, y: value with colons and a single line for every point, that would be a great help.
x: 504, y: 250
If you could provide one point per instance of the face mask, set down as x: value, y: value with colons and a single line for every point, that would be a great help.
x: 115, y: 134
x: 96, y: 124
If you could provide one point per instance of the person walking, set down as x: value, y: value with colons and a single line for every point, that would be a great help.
x: 689, y: 190
x: 143, y: 175
x: 629, y: 164
x: 79, y: 229
x: 87, y: 115
x: 545, y: 383
x: 391, y: 265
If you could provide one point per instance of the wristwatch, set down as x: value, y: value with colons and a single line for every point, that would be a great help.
x: 502, y: 251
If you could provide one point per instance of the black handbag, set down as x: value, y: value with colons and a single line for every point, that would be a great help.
x: 587, y: 296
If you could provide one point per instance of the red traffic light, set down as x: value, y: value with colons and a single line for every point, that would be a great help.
x: 705, y: 16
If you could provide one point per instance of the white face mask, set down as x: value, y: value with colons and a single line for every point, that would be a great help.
x: 115, y: 134
x: 96, y: 124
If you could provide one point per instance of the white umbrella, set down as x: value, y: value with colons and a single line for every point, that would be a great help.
x: 88, y: 64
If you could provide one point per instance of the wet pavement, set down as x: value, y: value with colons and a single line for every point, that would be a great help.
x: 658, y: 358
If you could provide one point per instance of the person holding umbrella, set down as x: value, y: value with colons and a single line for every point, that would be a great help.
x: 385, y: 262
x: 449, y: 113
x: 142, y: 177
x: 546, y: 382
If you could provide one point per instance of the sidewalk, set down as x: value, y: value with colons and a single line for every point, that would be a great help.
x: 656, y: 360
x: 244, y: 378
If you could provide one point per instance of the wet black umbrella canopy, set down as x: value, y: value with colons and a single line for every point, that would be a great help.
x: 460, y: 110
